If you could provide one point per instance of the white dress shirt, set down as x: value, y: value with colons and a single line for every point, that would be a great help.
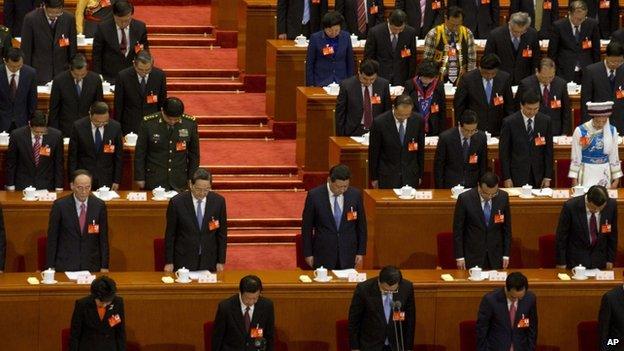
x: 202, y: 205
x: 128, y: 43
x: 78, y: 204
x: 331, y: 199
x: 244, y: 307
x: 146, y: 78
x: 370, y: 93
x: 588, y: 214
x: 93, y: 128
x: 9, y: 74
x: 398, y: 123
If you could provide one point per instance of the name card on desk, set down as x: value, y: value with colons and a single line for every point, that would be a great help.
x: 207, y: 278
x: 137, y: 196
x: 561, y: 194
x: 613, y: 193
x: 85, y: 279
x: 424, y: 195
x: 496, y: 276
x: 605, y: 275
x: 357, y: 277
x: 47, y: 197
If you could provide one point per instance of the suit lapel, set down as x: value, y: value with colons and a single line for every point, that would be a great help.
x: 74, y: 215
x: 584, y: 221
x: 191, y: 208
x: 480, y: 89
x: 477, y: 199
x: 387, y: 42
x: 376, y: 295
x: 238, y: 315
x: 327, y: 205
x: 29, y: 146
x: 4, y: 84
x: 44, y: 22
x: 394, y: 130
x: 114, y: 37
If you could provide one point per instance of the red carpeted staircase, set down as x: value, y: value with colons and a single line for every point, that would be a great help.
x: 257, y: 174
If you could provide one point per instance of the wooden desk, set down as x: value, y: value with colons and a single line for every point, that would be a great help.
x: 223, y: 14
x: 403, y: 232
x: 305, y: 314
x: 256, y: 24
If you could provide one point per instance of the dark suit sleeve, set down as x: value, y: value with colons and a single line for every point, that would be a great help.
x: 9, y: 13
x: 504, y: 150
x: 120, y: 329
x: 374, y: 150
x: 537, y: 53
x: 370, y: 48
x: 311, y: 61
x: 461, y: 98
x: 99, y: 92
x: 483, y: 158
x: 32, y: 97
x: 361, y: 228
x: 439, y: 164
x: 73, y: 45
x: 508, y: 98
x: 484, y: 317
x: 27, y: 40
x: 412, y: 59
x: 507, y: 229
x: 162, y: 92
x: 490, y: 46
x: 519, y: 94
x: 269, y: 329
x: 495, y: 6
x: 387, y: 99
x: 171, y: 230
x: 139, y: 153
x: 613, y: 237
x: 118, y: 164
x: 614, y: 12
x: 59, y: 156
x: 410, y: 312
x: 2, y: 242
x: 350, y: 59
x: 442, y: 112
x: 548, y: 154
x: 55, y: 105
x: 553, y: 44
x: 566, y: 113
x: 193, y: 152
x: 356, y: 314
x: 421, y: 148
x: 595, y: 38
x: 459, y: 219
x: 563, y: 230
x: 514, y: 6
x: 72, y: 153
x: 119, y: 99
x: 587, y: 90
x: 219, y: 328
x: 341, y: 110
x: 11, y: 160
x: 532, y: 337
x: 604, y: 322
x: 380, y: 14
x: 143, y: 39
x: 307, y: 226
x: 104, y: 251
x: 98, y: 47
x: 53, y: 234
x: 76, y: 328
x: 399, y: 5
x: 222, y: 234
x: 282, y: 9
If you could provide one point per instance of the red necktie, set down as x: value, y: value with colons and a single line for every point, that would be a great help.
x: 593, y: 229
x: 368, y: 109
x: 546, y: 95
x: 82, y: 218
x: 123, y: 45
x: 37, y: 149
x: 512, y: 319
x: 361, y: 19
x: 247, y: 319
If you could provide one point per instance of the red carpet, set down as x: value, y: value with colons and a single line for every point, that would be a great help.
x: 274, y: 256
x: 190, y: 15
x: 247, y: 153
x: 264, y: 204
x: 222, y: 104
x: 195, y: 58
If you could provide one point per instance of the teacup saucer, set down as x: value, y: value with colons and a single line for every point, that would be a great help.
x: 476, y: 279
x: 526, y: 196
x: 329, y: 278
x: 33, y: 199
x: 579, y: 278
x: 408, y: 197
x: 183, y: 281
x: 48, y: 283
x: 159, y: 198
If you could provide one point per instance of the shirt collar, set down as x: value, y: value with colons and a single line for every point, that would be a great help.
x: 9, y: 73
x: 242, y: 304
x: 331, y: 193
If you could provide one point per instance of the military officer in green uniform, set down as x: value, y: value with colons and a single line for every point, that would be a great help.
x: 167, y: 150
x: 6, y: 40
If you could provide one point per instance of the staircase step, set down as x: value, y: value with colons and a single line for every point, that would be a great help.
x: 158, y: 40
x: 235, y: 131
x: 205, y: 84
x: 262, y: 235
x: 251, y: 170
x: 256, y: 182
x: 173, y: 29
x: 247, y: 120
x: 201, y: 73
x: 263, y: 222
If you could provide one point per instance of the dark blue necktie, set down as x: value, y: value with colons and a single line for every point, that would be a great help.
x: 200, y: 214
x: 337, y: 212
x: 401, y: 133
x: 487, y: 211
x: 98, y: 140
x: 465, y: 148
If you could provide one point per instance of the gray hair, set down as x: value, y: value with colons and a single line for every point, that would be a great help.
x: 520, y: 19
x: 144, y: 57
x: 577, y: 5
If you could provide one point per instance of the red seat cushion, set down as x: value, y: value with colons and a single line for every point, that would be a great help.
x: 159, y: 254
x: 446, y: 254
x: 547, y: 251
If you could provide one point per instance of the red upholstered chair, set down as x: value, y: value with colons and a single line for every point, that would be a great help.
x: 208, y: 326
x: 547, y: 251
x: 468, y: 336
x: 587, y: 332
x: 19, y: 264
x: 159, y: 254
x: 515, y: 260
x: 342, y: 335
x: 561, y: 174
x: 65, y: 339
x: 301, y: 263
x: 446, y: 256
x: 280, y: 345
x: 42, y: 246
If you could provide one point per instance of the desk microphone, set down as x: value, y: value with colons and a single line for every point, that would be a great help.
x: 396, y: 307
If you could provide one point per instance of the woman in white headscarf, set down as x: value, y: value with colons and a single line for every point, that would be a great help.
x: 595, y: 158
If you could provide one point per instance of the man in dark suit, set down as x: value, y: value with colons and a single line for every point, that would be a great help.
x: 334, y: 223
x: 479, y: 16
x: 393, y: 45
x: 482, y: 226
x: 140, y: 90
x: 96, y: 144
x: 427, y: 91
x: 361, y: 98
x: 245, y: 321
x: 18, y: 91
x: 607, y: 13
x: 73, y: 93
x: 167, y: 150
x: 507, y: 318
x: 196, y: 234
x: 380, y: 306
x: 78, y: 229
x: 2, y: 243
x: 14, y: 12
x: 517, y: 46
x: 49, y: 40
x: 117, y: 41
x: 555, y: 101
x: 543, y: 14
x: 35, y: 156
x: 461, y: 154
x: 526, y: 145
x: 361, y: 16
x: 396, y: 153
x: 587, y: 232
x: 487, y: 91
x: 295, y: 17
x: 611, y: 320
x: 575, y: 42
x: 604, y: 81
x: 618, y: 35
x: 434, y: 14
x: 99, y: 320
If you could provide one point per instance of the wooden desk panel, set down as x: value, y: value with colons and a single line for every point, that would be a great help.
x: 256, y: 24
x: 223, y: 14
x: 40, y: 312
x: 403, y: 232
